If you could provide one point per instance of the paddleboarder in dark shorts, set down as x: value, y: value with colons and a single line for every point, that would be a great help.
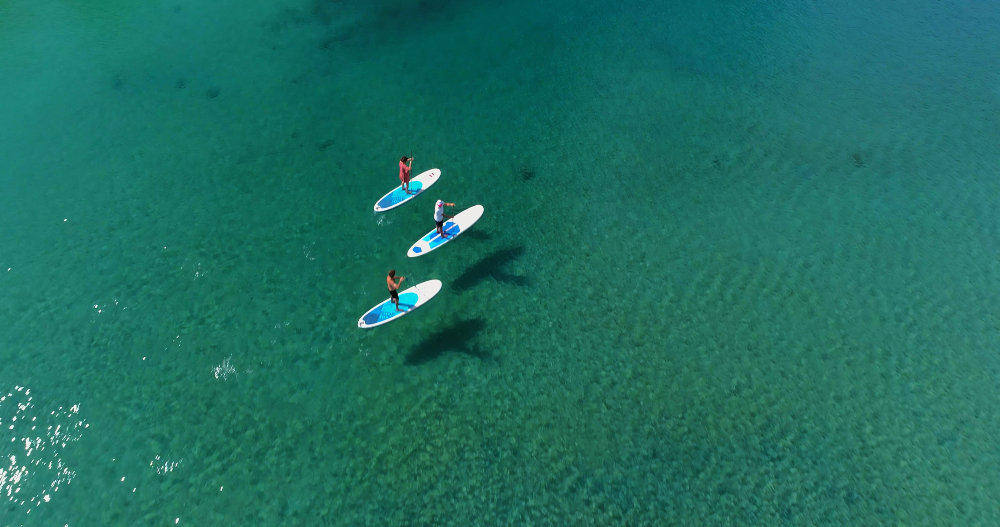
x: 394, y: 286
x: 405, y: 163
x: 439, y: 216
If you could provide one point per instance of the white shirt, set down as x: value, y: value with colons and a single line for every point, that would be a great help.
x: 439, y: 211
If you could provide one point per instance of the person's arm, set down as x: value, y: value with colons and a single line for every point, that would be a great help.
x: 401, y: 278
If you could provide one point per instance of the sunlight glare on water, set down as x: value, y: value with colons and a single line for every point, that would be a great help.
x: 36, y: 470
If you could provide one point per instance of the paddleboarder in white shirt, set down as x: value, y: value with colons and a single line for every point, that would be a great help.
x: 439, y: 217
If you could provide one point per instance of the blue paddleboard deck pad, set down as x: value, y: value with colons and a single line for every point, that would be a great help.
x: 409, y: 300
x: 452, y: 228
x: 398, y: 196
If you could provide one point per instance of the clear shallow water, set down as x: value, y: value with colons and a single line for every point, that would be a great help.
x: 737, y: 265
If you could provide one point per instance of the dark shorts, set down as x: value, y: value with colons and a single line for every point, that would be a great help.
x: 393, y: 294
x: 439, y: 224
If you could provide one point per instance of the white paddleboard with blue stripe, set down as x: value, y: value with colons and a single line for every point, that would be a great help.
x: 417, y: 185
x: 409, y: 300
x: 452, y: 228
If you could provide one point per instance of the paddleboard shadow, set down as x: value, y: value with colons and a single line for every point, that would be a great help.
x: 456, y: 337
x: 492, y: 266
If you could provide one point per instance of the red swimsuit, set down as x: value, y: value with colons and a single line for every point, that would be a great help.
x: 404, y: 172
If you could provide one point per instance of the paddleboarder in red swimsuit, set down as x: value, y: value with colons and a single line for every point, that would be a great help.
x: 404, y: 172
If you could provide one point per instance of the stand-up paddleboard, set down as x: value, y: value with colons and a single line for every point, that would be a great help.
x: 417, y: 185
x: 452, y: 228
x: 409, y: 300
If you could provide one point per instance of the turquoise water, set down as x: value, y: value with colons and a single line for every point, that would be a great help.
x: 738, y: 263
